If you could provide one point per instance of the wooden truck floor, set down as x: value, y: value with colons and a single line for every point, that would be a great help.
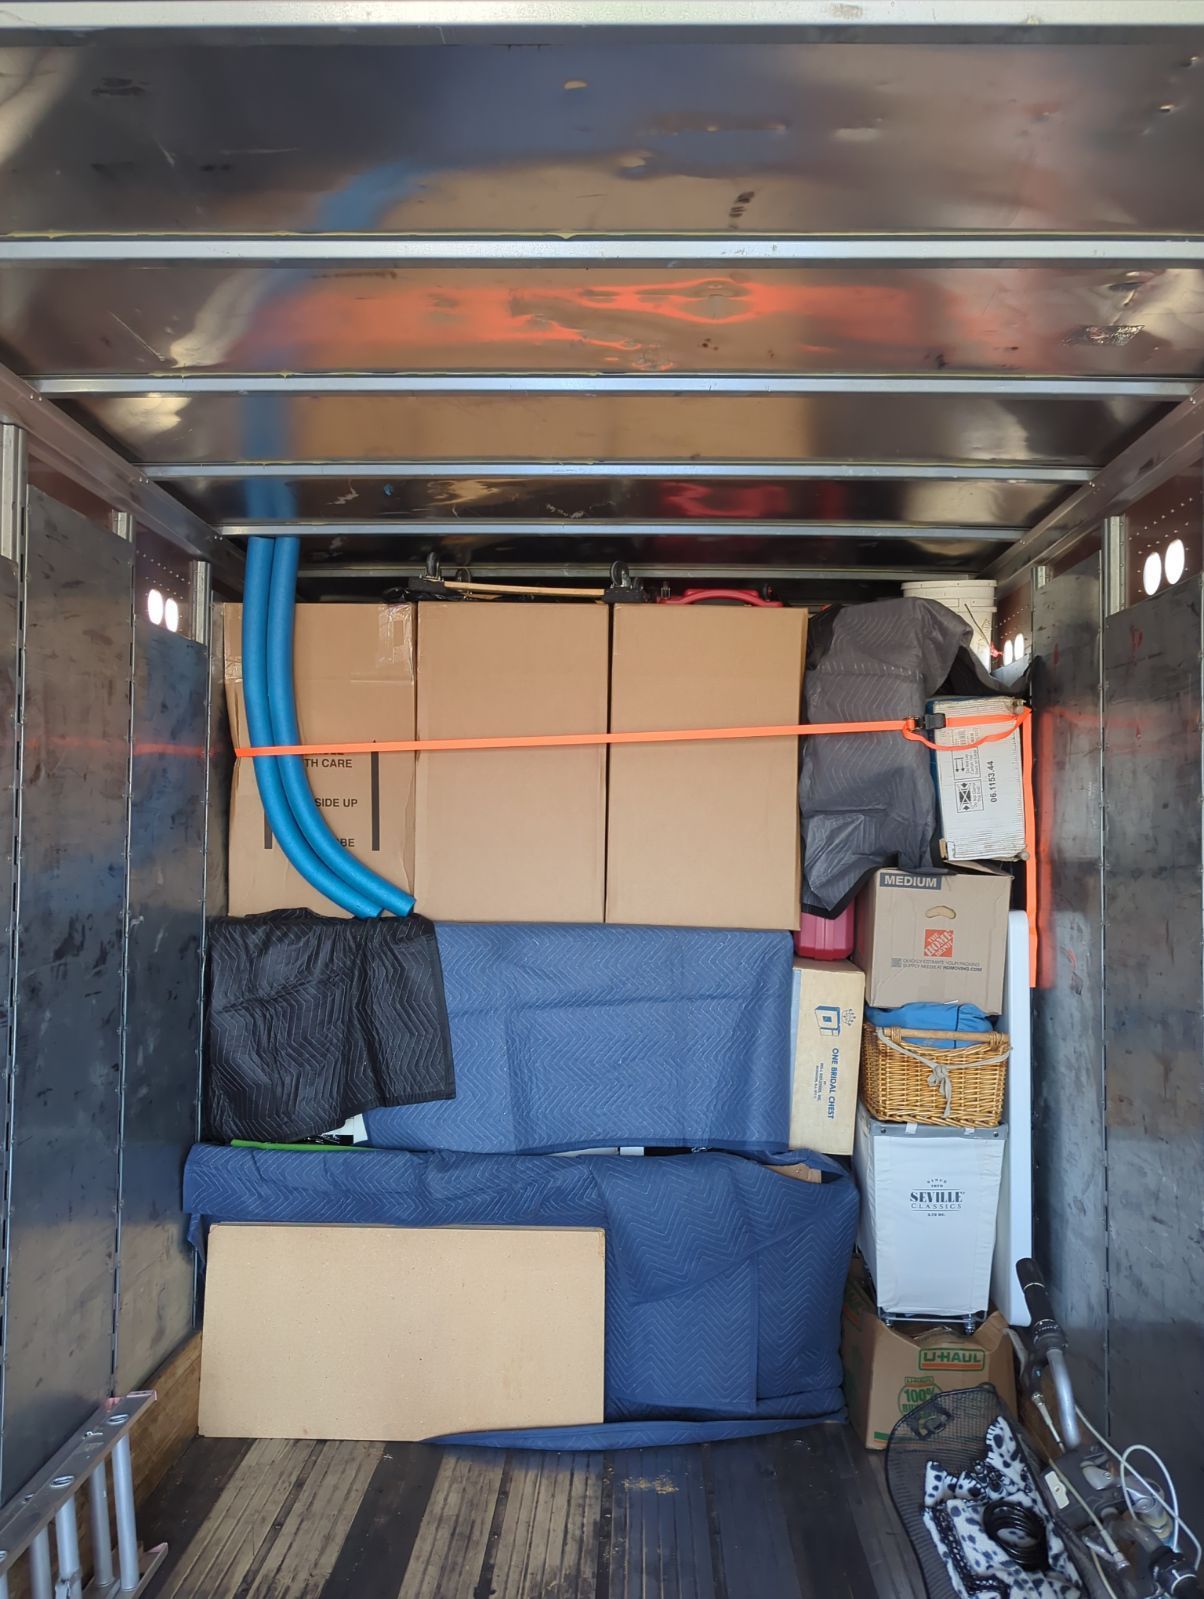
x: 797, y: 1516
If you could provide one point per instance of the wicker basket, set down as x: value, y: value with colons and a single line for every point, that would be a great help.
x: 903, y: 1081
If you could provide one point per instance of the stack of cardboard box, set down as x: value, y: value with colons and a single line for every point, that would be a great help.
x: 929, y: 1193
x: 686, y: 834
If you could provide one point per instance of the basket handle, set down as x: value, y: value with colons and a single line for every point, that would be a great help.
x: 938, y: 1070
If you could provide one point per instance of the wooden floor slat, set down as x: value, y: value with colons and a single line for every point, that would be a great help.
x: 240, y: 1524
x: 793, y: 1516
x: 381, y: 1539
x: 450, y: 1548
x: 303, y: 1551
x: 660, y: 1543
x: 547, y: 1539
x: 754, y: 1532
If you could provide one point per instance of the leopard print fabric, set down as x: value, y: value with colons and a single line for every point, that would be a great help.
x: 978, y: 1567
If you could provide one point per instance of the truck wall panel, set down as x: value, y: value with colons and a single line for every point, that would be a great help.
x: 58, y: 1332
x: 162, y: 1045
x: 1153, y: 1028
x: 1068, y: 1057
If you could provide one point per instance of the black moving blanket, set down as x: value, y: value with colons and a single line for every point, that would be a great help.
x: 313, y: 1019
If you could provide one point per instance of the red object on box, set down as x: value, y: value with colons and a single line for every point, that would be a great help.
x: 721, y: 596
x: 819, y: 939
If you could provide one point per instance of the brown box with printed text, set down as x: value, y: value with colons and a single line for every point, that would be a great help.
x: 938, y: 937
x: 890, y: 1370
x: 354, y: 676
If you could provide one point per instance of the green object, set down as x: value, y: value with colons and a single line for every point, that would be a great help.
x: 328, y: 1149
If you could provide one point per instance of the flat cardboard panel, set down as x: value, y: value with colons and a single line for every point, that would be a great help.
x: 827, y: 1004
x: 705, y: 835
x: 397, y: 1333
x: 512, y: 835
x: 354, y: 675
x: 890, y: 1370
x: 934, y: 936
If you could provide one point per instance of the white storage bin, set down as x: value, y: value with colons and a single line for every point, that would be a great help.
x: 929, y: 1197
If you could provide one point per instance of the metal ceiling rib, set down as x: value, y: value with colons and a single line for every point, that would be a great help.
x: 690, y: 471
x: 731, y: 383
x: 586, y: 528
x: 589, y: 249
x: 503, y: 19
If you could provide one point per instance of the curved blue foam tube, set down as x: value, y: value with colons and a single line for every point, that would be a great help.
x: 259, y: 725
x: 282, y: 705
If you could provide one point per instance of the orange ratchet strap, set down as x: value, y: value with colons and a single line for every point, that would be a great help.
x: 908, y: 729
x: 690, y: 735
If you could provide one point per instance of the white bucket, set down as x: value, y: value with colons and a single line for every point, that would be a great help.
x: 973, y: 599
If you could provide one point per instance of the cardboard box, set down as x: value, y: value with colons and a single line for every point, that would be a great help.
x: 929, y: 1201
x: 934, y: 936
x: 890, y: 1370
x: 826, y: 1006
x: 705, y: 835
x: 981, y: 791
x: 400, y: 1333
x: 354, y: 676
x: 512, y: 835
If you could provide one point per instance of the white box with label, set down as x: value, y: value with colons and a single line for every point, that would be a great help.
x: 827, y: 1001
x: 929, y: 1197
x: 981, y: 790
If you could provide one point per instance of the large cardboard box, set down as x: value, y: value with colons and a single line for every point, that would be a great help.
x: 981, y: 791
x: 934, y: 936
x: 705, y: 834
x: 890, y: 1370
x: 354, y: 677
x: 512, y: 835
x: 400, y: 1333
x: 929, y: 1201
x: 826, y: 1006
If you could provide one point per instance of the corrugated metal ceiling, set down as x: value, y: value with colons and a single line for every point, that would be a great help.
x: 612, y: 218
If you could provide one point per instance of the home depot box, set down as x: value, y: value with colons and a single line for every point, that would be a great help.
x: 378, y: 1332
x: 512, y: 835
x: 929, y: 1199
x: 705, y: 834
x: 936, y: 936
x: 890, y: 1370
x: 981, y: 791
x: 354, y: 677
x: 826, y: 1004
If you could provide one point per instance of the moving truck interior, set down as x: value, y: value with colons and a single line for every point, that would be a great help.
x: 540, y: 544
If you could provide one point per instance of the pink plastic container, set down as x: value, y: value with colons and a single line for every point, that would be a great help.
x: 821, y: 940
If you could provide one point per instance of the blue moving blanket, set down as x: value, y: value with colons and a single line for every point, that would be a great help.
x: 570, y: 1037
x: 724, y: 1278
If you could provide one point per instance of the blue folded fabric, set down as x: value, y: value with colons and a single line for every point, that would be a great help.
x: 724, y: 1278
x: 567, y: 1037
x: 945, y: 1018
